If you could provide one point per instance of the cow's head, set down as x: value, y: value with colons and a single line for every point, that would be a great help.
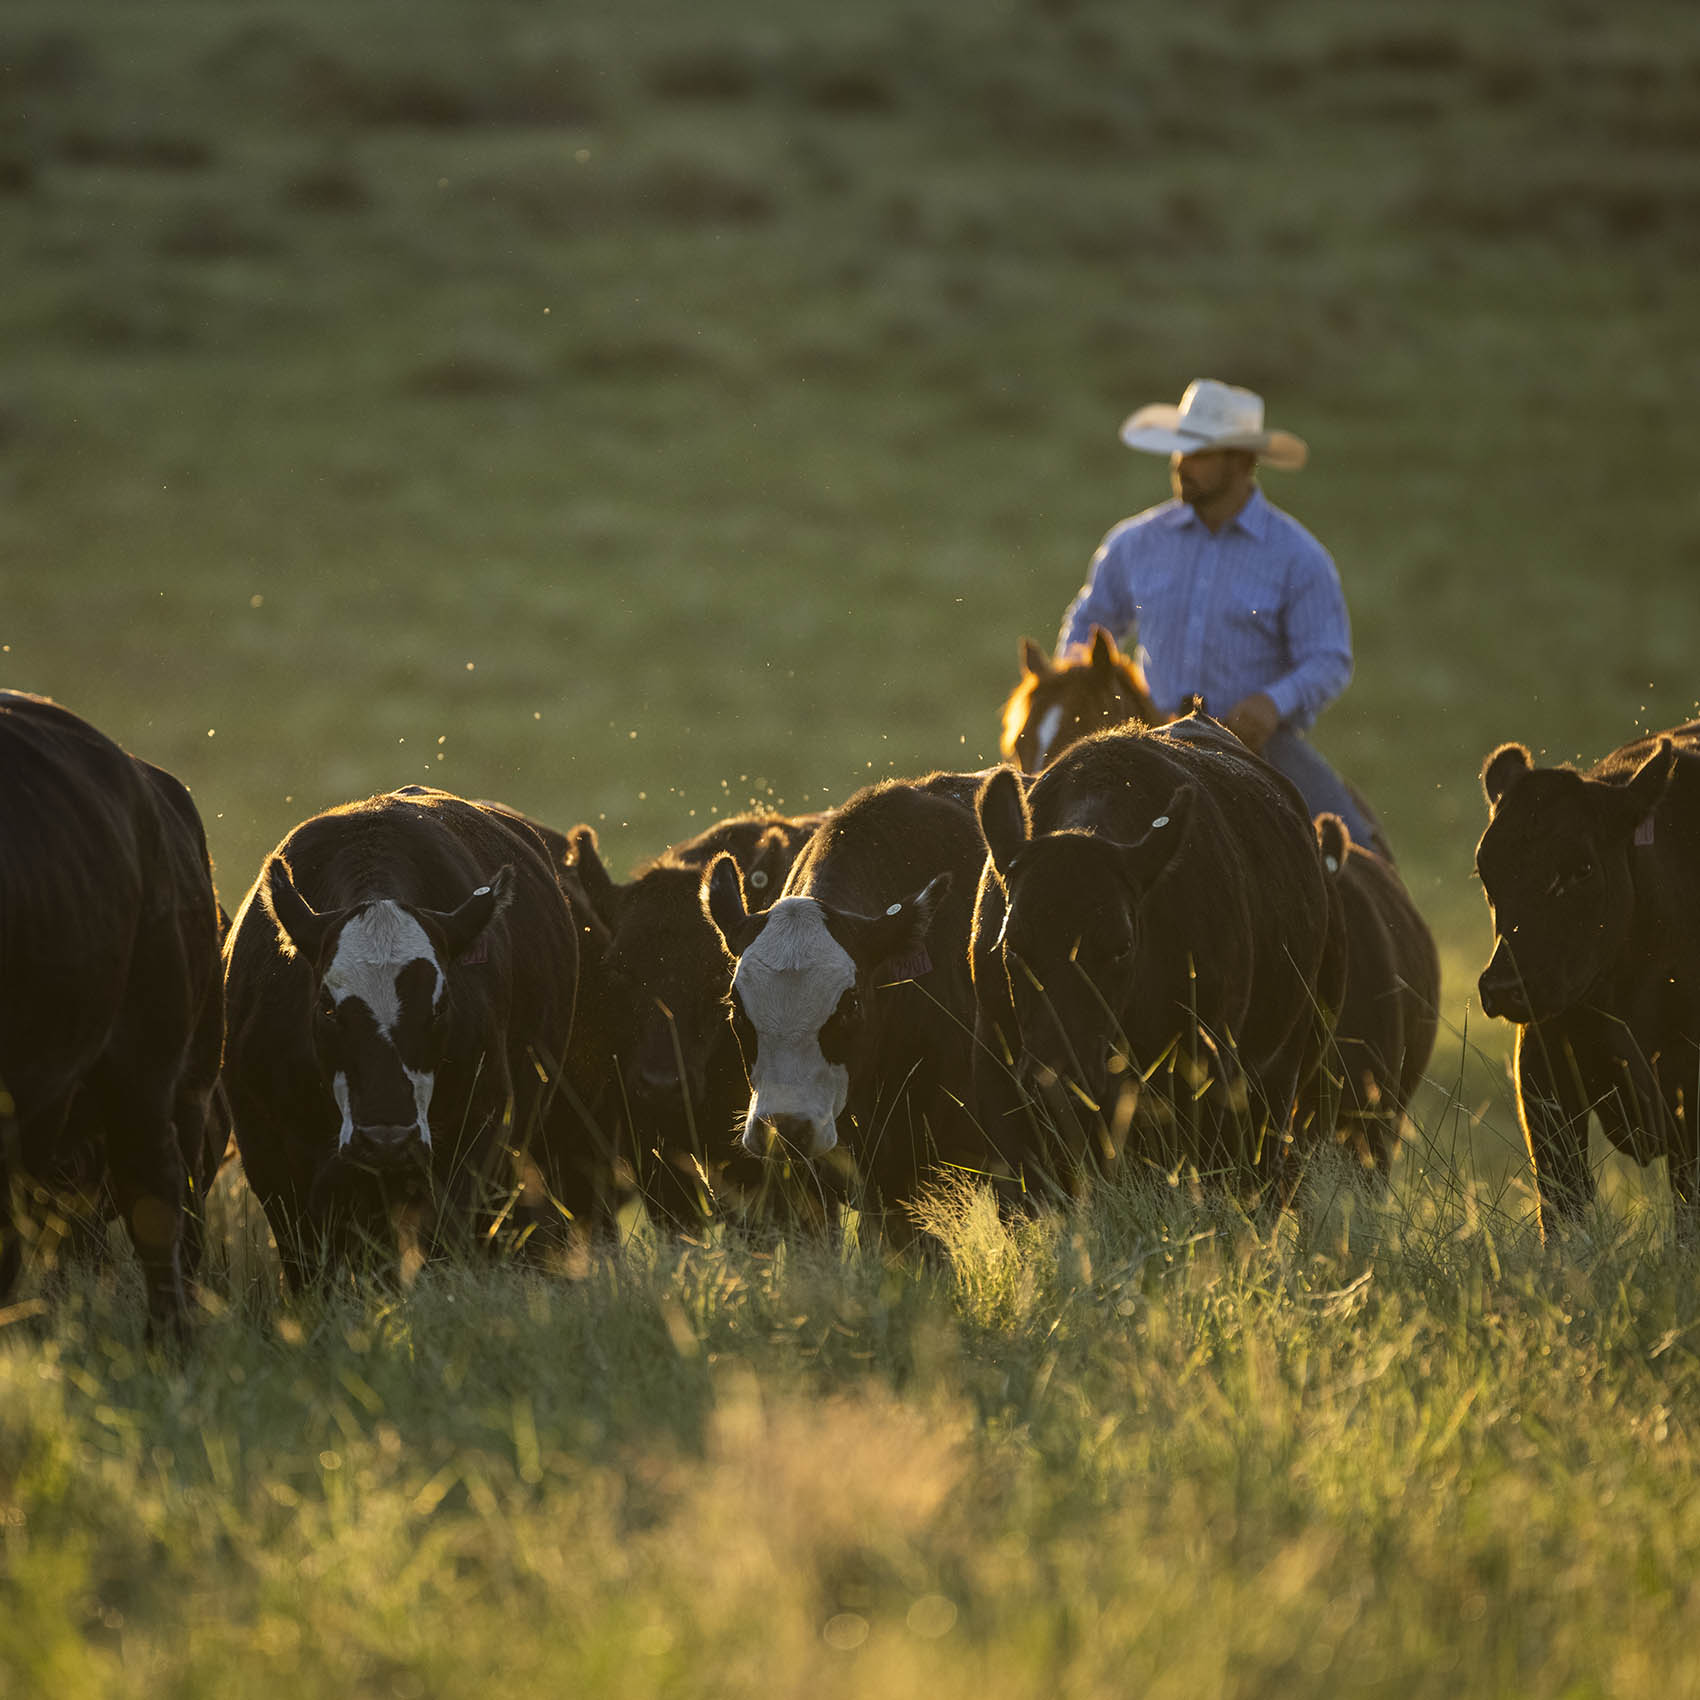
x: 1071, y: 928
x: 802, y: 999
x: 383, y: 984
x: 669, y: 973
x: 1555, y: 865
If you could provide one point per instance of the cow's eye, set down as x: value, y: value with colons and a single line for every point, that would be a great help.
x: 1570, y: 879
x: 839, y: 1027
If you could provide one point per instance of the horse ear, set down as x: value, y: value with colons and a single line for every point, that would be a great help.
x: 1034, y: 660
x: 1104, y: 651
x: 1004, y: 821
x: 1502, y: 770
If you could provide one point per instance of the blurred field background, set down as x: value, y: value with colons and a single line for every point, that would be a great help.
x: 633, y: 413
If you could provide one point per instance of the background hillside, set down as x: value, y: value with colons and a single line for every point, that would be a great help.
x: 630, y: 415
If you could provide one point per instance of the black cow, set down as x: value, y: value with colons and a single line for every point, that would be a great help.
x: 110, y: 1018
x: 1154, y: 931
x: 851, y: 996
x: 1594, y: 883
x: 400, y: 984
x: 1390, y: 1009
x: 673, y: 1081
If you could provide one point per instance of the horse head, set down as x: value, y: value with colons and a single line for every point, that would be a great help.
x: 1055, y: 703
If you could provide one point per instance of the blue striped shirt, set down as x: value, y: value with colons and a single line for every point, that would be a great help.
x: 1256, y: 606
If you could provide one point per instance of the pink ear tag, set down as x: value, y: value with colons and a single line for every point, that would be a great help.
x: 1644, y: 832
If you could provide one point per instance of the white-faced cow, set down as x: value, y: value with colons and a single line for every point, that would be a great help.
x: 1593, y: 883
x: 851, y: 996
x: 110, y: 1018
x: 1154, y: 936
x: 400, y: 984
x: 671, y: 1079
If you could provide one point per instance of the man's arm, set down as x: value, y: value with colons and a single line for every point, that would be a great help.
x: 1105, y: 599
x: 1319, y: 640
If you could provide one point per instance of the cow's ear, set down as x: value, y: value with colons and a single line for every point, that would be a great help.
x: 1502, y: 770
x: 1104, y: 652
x: 1005, y: 823
x: 1034, y: 660
x: 895, y: 944
x: 461, y: 928
x: 905, y: 924
x: 593, y: 877
x: 1334, y: 840
x: 1647, y: 785
x: 1145, y: 861
x: 723, y: 902
x: 766, y: 872
x: 303, y: 928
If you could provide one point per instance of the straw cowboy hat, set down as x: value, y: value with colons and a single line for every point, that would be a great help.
x: 1212, y: 416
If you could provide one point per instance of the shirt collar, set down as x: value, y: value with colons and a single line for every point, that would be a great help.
x: 1252, y: 519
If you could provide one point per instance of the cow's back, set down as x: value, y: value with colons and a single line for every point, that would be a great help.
x: 95, y: 848
x: 1244, y: 924
x: 72, y: 830
x: 110, y: 1020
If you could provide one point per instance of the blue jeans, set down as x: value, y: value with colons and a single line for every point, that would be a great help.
x: 1323, y: 790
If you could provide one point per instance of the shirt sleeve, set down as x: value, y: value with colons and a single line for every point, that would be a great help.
x: 1105, y: 599
x: 1319, y: 639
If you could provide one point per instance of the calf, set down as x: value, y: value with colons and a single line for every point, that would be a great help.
x: 400, y: 984
x: 851, y: 997
x: 110, y: 1019
x: 1155, y: 909
x: 1389, y: 1010
x: 672, y: 1079
x: 1593, y: 885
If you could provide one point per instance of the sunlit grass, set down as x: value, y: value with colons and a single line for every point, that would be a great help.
x: 1392, y: 1440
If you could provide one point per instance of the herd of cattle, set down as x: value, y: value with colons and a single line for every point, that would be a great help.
x: 1129, y: 945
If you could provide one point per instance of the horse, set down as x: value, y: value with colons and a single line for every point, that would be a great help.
x: 1055, y: 704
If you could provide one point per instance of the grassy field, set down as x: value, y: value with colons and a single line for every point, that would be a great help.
x: 631, y: 415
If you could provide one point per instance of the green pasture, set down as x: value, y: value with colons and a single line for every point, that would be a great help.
x: 1392, y: 1449
x: 632, y: 413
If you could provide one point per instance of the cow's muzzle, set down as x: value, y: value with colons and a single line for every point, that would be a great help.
x: 763, y: 1135
x: 656, y: 1086
x: 1502, y: 990
x: 389, y: 1150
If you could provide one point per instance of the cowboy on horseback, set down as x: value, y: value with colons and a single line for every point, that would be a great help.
x: 1231, y: 599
